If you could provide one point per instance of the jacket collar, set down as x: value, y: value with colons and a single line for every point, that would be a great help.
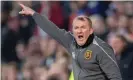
x: 88, y: 42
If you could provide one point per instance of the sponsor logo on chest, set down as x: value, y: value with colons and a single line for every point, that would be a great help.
x: 88, y: 54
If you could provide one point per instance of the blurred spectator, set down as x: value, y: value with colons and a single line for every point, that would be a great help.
x: 51, y: 52
x: 112, y: 23
x: 123, y: 24
x: 40, y: 73
x: 10, y: 39
x: 73, y: 14
x: 118, y: 43
x: 123, y: 54
x: 82, y: 7
x: 6, y: 7
x: 129, y: 35
x: 58, y: 69
x: 34, y: 53
x: 21, y: 50
x: 26, y: 72
x: 61, y: 52
x: 26, y: 29
x: 126, y: 65
x: 3, y: 71
x: 56, y: 14
x: 99, y: 26
x: 53, y: 77
x: 44, y: 42
x: 117, y: 8
x: 66, y: 12
x: 9, y: 71
x: 12, y: 72
x: 128, y: 8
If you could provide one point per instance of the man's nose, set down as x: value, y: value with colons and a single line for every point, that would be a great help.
x: 79, y: 30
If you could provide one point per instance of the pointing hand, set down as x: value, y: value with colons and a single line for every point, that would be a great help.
x: 26, y: 10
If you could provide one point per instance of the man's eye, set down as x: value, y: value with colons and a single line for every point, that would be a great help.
x: 76, y: 28
x: 83, y: 27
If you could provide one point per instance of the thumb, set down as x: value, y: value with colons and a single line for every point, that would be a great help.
x: 21, y: 12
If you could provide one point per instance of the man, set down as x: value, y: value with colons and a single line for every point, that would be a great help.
x: 92, y: 58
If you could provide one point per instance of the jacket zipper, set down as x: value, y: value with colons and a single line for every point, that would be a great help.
x: 78, y: 62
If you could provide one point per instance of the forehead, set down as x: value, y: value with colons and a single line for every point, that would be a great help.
x: 116, y: 39
x: 80, y: 21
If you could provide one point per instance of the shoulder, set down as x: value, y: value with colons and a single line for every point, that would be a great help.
x: 102, y: 47
x: 105, y: 51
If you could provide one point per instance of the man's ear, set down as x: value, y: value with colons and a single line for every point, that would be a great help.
x: 71, y: 32
x: 91, y: 31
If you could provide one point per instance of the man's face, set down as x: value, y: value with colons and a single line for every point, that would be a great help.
x: 117, y: 44
x: 81, y: 31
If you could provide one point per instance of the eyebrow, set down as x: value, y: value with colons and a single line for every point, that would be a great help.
x: 83, y: 18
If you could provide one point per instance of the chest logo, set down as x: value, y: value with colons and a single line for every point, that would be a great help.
x: 88, y: 54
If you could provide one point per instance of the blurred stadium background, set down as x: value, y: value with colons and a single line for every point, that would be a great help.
x: 28, y: 53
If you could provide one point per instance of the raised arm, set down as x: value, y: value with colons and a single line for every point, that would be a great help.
x: 50, y: 28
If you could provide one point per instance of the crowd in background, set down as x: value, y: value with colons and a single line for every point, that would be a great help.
x: 28, y: 53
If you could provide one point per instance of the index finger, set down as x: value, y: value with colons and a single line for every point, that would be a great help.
x: 21, y: 5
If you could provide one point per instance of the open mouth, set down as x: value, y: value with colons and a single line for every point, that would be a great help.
x: 80, y: 37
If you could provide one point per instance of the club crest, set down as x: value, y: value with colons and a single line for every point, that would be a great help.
x: 88, y: 54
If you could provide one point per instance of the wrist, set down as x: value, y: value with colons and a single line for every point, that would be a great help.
x: 32, y: 13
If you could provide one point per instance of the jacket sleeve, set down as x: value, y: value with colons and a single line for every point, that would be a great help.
x: 108, y: 64
x: 60, y: 35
